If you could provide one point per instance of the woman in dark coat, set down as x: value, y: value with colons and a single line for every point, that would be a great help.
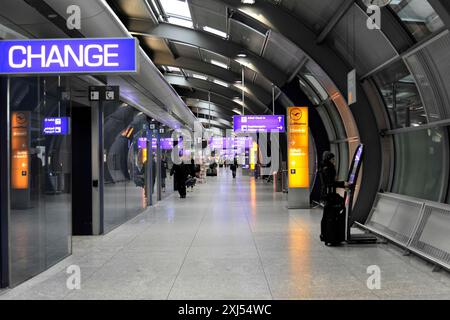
x: 328, y: 175
x: 180, y: 173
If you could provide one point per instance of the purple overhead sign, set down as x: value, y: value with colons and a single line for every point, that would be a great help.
x: 263, y: 123
x: 63, y: 56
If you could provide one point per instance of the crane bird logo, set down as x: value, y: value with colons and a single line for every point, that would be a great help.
x: 296, y: 114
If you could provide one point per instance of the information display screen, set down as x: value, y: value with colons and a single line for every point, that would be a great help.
x: 262, y: 123
x: 56, y: 126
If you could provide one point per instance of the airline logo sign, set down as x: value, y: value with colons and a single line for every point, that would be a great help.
x: 298, y: 147
x: 66, y: 56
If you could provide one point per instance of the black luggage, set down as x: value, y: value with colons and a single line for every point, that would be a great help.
x: 333, y: 220
x: 190, y: 182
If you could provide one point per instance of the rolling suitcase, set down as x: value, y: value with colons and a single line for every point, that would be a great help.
x: 333, y: 220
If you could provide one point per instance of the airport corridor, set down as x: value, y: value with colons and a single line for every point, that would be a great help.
x: 230, y: 239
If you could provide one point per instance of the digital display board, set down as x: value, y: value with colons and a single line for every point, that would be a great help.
x: 63, y: 56
x: 262, y: 123
x: 165, y: 143
x: 298, y: 147
x: 56, y: 126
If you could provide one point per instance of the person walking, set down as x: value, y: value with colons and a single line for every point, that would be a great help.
x: 180, y: 173
x: 233, y: 167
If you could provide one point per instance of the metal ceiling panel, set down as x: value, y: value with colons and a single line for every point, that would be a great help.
x: 283, y: 53
x: 212, y: 15
x: 314, y: 14
x: 356, y: 43
x: 134, y: 8
x: 209, y: 55
x: 186, y: 50
x: 263, y: 83
x: 246, y: 37
x: 22, y: 18
x: 156, y: 45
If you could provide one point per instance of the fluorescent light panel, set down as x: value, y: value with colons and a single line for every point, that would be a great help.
x: 221, y: 83
x: 199, y: 76
x: 180, y: 22
x: 215, y: 31
x: 219, y: 64
x: 173, y: 69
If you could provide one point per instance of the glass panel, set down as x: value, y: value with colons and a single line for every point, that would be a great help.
x: 401, y: 96
x: 418, y: 16
x: 125, y: 177
x: 418, y: 163
x: 167, y: 183
x: 41, y: 205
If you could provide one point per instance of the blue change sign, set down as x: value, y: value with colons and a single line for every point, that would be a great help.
x: 56, y: 126
x: 49, y: 56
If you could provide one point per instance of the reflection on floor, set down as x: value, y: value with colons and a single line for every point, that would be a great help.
x: 231, y: 240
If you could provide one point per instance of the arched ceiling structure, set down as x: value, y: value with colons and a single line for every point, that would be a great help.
x: 204, y: 46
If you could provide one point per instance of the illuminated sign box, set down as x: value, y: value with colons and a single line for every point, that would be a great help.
x: 56, y: 126
x: 165, y: 143
x: 263, y: 123
x: 298, y: 147
x: 62, y: 56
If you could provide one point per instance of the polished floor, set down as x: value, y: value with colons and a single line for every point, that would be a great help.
x: 231, y: 240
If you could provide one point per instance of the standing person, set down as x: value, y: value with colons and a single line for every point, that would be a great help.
x: 180, y: 173
x: 164, y: 167
x: 233, y: 167
x: 192, y: 168
x: 328, y: 174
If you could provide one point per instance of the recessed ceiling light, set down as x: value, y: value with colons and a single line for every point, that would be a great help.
x: 248, y: 1
x: 242, y: 55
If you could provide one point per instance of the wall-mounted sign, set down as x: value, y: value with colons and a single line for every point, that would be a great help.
x: 298, y: 147
x: 165, y: 143
x: 56, y: 126
x: 62, y: 56
x: 230, y: 142
x: 264, y: 123
x: 104, y: 93
x: 351, y: 87
x: 20, y: 150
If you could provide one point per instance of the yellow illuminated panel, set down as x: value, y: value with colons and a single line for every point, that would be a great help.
x: 298, y: 147
x: 253, y: 151
x: 20, y: 150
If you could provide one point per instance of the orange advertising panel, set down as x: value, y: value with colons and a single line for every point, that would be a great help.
x: 20, y: 122
x: 298, y: 147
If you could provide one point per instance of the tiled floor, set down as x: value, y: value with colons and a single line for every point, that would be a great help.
x: 231, y: 240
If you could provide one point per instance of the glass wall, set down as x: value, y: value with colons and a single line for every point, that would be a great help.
x: 420, y: 153
x: 401, y: 97
x: 125, y: 166
x: 41, y: 153
x: 418, y: 16
x: 167, y: 182
x: 419, y: 157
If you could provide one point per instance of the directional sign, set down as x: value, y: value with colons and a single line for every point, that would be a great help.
x: 63, y: 56
x: 255, y: 123
x: 56, y: 126
x: 165, y: 143
x: 298, y: 147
